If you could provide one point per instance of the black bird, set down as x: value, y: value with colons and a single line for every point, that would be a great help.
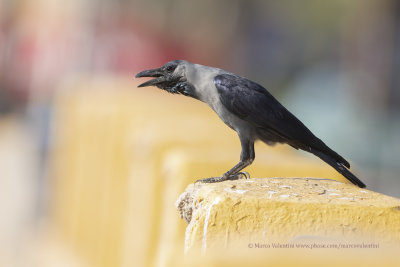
x: 246, y: 107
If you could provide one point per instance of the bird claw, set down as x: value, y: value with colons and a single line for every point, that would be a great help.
x: 237, y: 176
x: 212, y: 180
x: 245, y: 175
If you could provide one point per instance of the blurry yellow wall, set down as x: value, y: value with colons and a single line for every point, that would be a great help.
x: 112, y: 194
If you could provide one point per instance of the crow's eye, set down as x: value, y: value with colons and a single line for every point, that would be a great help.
x: 170, y: 68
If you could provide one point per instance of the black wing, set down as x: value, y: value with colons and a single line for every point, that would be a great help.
x: 253, y: 103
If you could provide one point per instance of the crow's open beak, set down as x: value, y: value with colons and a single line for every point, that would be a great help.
x: 151, y: 73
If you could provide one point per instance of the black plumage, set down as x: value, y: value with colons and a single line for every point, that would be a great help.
x: 273, y: 122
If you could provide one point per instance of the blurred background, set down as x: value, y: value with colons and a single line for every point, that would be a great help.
x: 81, y: 147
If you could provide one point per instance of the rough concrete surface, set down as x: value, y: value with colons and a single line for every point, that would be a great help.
x: 237, y: 213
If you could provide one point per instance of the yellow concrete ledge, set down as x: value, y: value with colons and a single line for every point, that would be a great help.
x: 239, y: 214
x: 183, y: 164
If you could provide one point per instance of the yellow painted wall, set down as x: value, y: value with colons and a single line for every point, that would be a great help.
x: 121, y: 157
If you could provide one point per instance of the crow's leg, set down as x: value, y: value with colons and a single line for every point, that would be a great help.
x: 246, y: 158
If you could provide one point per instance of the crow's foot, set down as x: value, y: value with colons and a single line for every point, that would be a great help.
x: 236, y: 176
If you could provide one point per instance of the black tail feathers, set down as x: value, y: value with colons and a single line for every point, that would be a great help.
x: 339, y: 167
